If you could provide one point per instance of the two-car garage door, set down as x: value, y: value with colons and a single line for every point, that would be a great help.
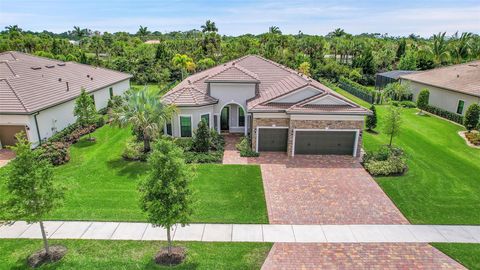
x: 308, y: 142
x: 324, y: 142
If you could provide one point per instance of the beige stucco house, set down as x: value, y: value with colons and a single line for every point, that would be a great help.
x: 37, y: 95
x: 281, y: 109
x: 453, y: 88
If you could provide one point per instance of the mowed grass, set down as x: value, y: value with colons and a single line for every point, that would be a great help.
x: 466, y: 254
x: 93, y: 254
x: 102, y: 186
x: 442, y: 185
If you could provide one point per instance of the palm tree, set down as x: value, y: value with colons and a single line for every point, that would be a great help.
x: 78, y: 32
x: 13, y: 28
x: 209, y: 27
x: 274, y: 30
x: 184, y: 63
x: 143, y: 31
x: 144, y: 110
x: 461, y: 47
x: 439, y: 48
x: 339, y: 32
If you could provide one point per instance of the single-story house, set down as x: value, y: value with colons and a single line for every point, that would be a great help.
x: 452, y: 88
x: 384, y: 78
x: 279, y: 108
x: 37, y: 95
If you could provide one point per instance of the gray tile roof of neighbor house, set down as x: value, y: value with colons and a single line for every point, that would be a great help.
x: 462, y: 78
x: 273, y: 80
x: 395, y: 74
x: 30, y: 83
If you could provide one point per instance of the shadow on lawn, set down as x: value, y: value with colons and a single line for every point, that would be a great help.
x: 127, y: 168
x: 84, y: 143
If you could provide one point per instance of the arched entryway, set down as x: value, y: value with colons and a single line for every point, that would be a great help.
x: 232, y: 118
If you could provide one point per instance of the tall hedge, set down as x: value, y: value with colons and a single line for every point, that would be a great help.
x: 423, y: 97
x: 471, y: 117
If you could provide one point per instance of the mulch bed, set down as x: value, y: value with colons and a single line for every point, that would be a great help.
x: 40, y: 257
x: 473, y: 138
x: 175, y: 257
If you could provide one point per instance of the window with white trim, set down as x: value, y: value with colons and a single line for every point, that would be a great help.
x: 460, y: 106
x: 241, y: 117
x: 185, y: 126
x: 206, y: 118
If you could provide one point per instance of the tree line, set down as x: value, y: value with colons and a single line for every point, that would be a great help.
x: 172, y: 56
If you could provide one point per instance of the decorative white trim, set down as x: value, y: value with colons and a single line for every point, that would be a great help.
x: 209, y: 118
x: 355, y: 146
x: 279, y: 99
x: 267, y: 127
x: 270, y: 115
x: 327, y: 117
x: 180, y: 125
x: 230, y: 110
x: 338, y: 100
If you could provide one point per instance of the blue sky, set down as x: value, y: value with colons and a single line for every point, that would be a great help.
x: 240, y: 17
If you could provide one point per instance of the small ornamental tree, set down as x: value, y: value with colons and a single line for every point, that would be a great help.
x: 371, y: 121
x: 393, y: 122
x: 85, y: 110
x: 31, y: 193
x: 165, y: 192
x: 422, y: 99
x: 201, y: 140
x: 304, y: 68
x: 472, y: 116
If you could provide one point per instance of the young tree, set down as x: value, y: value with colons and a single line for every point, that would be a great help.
x: 31, y: 192
x: 408, y: 61
x: 201, y: 140
x: 472, y: 116
x: 422, y: 99
x: 85, y: 110
x: 183, y: 62
x: 371, y: 121
x: 144, y: 110
x: 165, y: 194
x: 393, y: 122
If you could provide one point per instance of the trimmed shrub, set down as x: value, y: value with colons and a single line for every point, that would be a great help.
x: 408, y: 104
x: 371, y: 121
x: 422, y: 99
x: 134, y: 150
x: 444, y: 113
x: 245, y: 149
x: 472, y: 116
x: 385, y: 161
x: 217, y: 142
x: 55, y: 152
x: 201, y: 138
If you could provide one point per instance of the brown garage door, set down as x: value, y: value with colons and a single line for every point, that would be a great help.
x: 7, y: 134
x: 324, y: 142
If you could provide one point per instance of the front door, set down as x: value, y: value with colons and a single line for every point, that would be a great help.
x: 224, y: 117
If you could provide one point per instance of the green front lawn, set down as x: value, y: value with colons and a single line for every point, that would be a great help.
x: 90, y: 254
x: 103, y: 186
x: 466, y: 254
x: 442, y: 185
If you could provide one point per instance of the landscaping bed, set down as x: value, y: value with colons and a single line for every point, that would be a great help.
x: 101, y: 254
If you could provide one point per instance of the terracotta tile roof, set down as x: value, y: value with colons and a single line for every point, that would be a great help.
x: 35, y: 83
x: 189, y: 96
x: 463, y: 78
x: 233, y: 74
x: 273, y: 80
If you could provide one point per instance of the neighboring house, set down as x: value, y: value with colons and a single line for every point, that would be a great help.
x: 37, y: 95
x: 152, y: 41
x: 385, y: 78
x: 281, y: 109
x: 452, y: 88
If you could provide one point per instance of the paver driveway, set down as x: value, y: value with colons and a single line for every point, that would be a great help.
x: 323, y: 190
x: 358, y: 256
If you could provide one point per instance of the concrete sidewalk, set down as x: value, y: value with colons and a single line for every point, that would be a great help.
x: 248, y: 232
